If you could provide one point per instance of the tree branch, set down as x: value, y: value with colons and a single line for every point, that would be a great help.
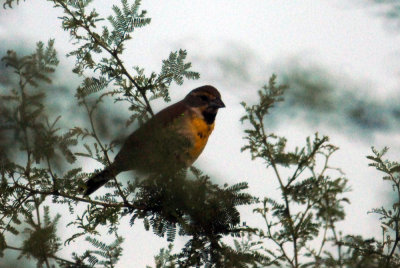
x: 113, y: 53
x: 76, y: 198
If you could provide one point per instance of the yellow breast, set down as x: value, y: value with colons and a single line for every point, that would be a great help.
x: 200, y: 133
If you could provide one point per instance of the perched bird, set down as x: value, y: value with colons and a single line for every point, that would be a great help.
x: 171, y: 140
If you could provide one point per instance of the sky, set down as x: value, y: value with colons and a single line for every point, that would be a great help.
x: 340, y: 58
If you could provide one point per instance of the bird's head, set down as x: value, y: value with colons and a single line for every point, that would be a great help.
x: 207, y: 100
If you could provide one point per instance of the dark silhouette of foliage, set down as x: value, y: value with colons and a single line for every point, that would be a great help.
x: 40, y: 165
x: 170, y: 204
x: 310, y: 198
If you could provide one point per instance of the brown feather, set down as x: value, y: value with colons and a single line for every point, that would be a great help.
x: 169, y: 141
x: 140, y: 147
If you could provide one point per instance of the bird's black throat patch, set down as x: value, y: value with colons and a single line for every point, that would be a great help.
x: 209, y: 117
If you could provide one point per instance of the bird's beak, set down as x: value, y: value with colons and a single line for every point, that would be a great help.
x: 217, y: 103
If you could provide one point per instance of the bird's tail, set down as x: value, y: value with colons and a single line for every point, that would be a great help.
x: 98, y: 180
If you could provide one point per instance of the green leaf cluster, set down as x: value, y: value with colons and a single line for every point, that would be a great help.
x: 310, y: 199
x: 170, y: 204
x: 38, y: 165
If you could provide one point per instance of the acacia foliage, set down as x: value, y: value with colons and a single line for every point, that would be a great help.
x: 40, y: 160
x: 300, y: 226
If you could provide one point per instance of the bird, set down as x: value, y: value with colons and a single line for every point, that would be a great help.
x: 170, y: 141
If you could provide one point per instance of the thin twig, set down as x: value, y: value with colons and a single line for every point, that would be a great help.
x: 113, y: 53
x: 338, y: 242
x: 76, y: 198
x: 396, y: 224
x: 52, y: 256
x: 302, y: 165
x: 20, y: 203
x: 280, y: 245
x: 283, y: 189
x: 96, y: 137
x: 27, y: 144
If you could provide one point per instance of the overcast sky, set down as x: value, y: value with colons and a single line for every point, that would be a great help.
x: 341, y: 59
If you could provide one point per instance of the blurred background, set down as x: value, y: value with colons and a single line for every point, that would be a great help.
x: 340, y: 59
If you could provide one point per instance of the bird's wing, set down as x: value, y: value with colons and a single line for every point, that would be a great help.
x: 142, y: 140
x: 161, y: 120
x: 168, y: 115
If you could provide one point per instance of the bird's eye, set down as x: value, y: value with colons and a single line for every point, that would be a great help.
x: 204, y: 98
